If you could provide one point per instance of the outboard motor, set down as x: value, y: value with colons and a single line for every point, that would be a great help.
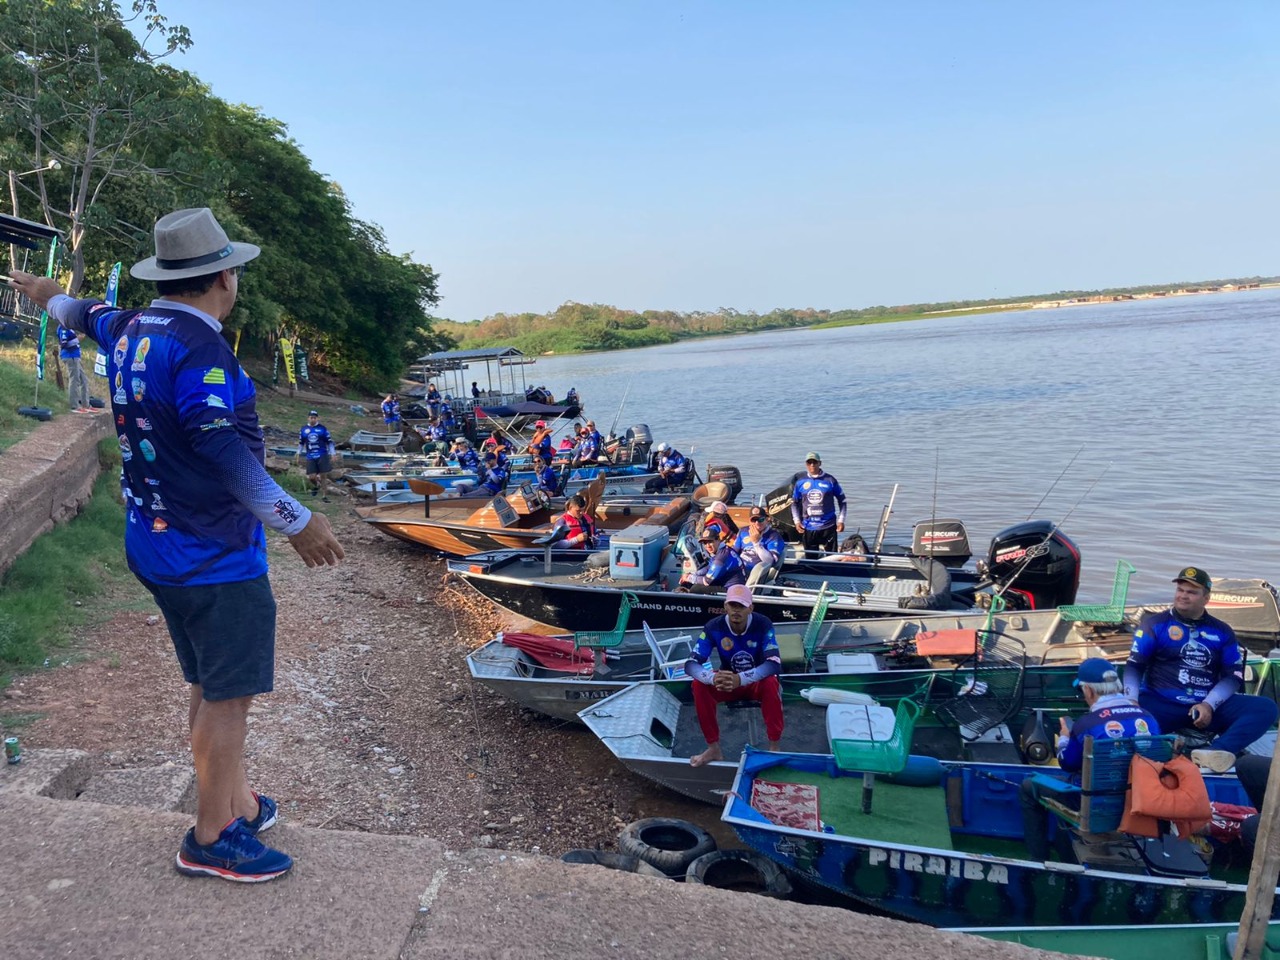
x: 935, y: 592
x: 1034, y: 740
x: 777, y: 504
x: 1037, y: 565
x: 944, y: 540
x: 639, y: 440
x: 731, y: 477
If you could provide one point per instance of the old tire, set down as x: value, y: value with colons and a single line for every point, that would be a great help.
x: 36, y: 413
x: 613, y: 861
x: 741, y: 870
x: 666, y: 843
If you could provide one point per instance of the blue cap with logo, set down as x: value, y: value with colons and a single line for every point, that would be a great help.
x: 1095, y: 670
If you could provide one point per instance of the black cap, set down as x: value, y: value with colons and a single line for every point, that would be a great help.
x: 314, y: 413
x: 758, y: 512
x: 1194, y: 575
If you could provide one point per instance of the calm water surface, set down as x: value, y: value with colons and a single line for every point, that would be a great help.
x: 1170, y: 405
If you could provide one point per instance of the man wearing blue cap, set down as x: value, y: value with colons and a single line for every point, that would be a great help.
x: 1186, y: 668
x: 1111, y: 714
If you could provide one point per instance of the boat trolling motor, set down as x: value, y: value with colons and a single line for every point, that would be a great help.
x: 1034, y: 741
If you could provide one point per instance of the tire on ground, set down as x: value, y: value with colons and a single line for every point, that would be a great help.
x: 666, y: 843
x: 614, y: 861
x: 741, y: 870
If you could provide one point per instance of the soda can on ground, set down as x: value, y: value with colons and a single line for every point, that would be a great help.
x: 12, y: 750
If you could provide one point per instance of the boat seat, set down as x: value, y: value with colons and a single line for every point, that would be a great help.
x: 663, y: 664
x: 609, y: 638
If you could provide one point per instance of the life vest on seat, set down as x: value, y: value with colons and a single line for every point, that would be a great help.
x: 1173, y: 791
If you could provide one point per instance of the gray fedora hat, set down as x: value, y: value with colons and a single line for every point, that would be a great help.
x: 191, y: 243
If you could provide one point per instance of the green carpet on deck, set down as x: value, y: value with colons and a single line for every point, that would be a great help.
x: 899, y: 814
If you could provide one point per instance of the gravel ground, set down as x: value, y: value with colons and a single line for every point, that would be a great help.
x: 374, y: 723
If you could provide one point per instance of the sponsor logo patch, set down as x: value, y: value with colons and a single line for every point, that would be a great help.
x: 216, y: 424
x: 143, y: 423
x: 122, y: 348
x: 148, y: 451
x: 213, y: 400
x: 215, y: 375
x: 139, y: 388
x: 140, y: 355
x: 126, y: 449
x: 159, y: 525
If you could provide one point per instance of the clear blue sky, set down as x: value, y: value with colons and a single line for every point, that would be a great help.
x: 691, y: 156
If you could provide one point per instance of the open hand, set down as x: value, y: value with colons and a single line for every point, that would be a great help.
x: 40, y: 290
x: 316, y: 544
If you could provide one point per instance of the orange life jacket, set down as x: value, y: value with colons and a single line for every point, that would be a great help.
x: 1173, y: 791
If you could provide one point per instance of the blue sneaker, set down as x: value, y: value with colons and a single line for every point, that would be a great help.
x: 236, y: 855
x: 266, y: 818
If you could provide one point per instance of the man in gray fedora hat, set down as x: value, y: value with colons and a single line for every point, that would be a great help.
x: 196, y: 498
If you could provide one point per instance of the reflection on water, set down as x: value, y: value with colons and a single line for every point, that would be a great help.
x: 1169, y: 405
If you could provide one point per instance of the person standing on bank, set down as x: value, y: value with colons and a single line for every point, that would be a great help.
x: 196, y: 498
x: 1186, y: 667
x: 316, y: 445
x: 77, y: 382
x: 817, y: 507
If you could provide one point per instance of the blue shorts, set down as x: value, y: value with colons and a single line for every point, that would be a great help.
x: 224, y: 635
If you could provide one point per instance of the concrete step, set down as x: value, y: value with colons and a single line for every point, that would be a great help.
x: 91, y: 880
x: 57, y: 774
x: 169, y: 787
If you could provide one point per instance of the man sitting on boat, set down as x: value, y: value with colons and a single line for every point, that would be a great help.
x: 548, y: 478
x: 467, y: 458
x: 587, y: 450
x: 760, y: 547
x: 717, y: 520
x: 1185, y: 663
x: 673, y: 469
x: 723, y: 568
x: 1111, y: 714
x: 582, y: 527
x: 433, y: 398
x: 540, y: 443
x: 495, y: 475
x: 749, y: 665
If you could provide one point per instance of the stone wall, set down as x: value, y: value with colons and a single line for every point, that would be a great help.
x: 47, y: 478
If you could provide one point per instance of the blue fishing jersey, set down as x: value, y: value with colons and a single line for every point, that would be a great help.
x: 754, y: 647
x: 196, y: 492
x: 549, y: 481
x: 314, y: 442
x: 674, y: 462
x: 69, y: 343
x: 543, y: 448
x: 390, y: 411
x: 771, y: 540
x: 1113, y: 716
x: 817, y: 502
x: 1183, y: 660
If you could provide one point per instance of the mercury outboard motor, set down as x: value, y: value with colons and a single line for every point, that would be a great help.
x: 731, y: 477
x: 944, y: 540
x: 777, y: 504
x: 638, y: 440
x: 1037, y: 565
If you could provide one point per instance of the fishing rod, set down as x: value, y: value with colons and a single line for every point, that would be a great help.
x: 1055, y: 482
x: 617, y: 416
x: 885, y: 514
x: 1033, y: 552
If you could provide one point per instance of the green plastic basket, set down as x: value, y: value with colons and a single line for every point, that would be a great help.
x: 609, y: 638
x: 1112, y: 612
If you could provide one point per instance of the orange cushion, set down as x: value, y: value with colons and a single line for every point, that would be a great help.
x: 946, y: 643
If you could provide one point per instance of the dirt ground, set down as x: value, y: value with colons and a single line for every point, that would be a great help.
x: 374, y: 724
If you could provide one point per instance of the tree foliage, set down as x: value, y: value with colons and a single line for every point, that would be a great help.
x: 133, y: 138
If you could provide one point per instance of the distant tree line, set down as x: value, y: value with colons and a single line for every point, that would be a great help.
x: 114, y: 136
x: 579, y: 327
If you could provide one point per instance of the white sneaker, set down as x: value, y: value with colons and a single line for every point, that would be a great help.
x: 1219, y: 761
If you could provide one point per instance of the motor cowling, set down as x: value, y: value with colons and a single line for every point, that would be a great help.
x: 1036, y: 562
x: 945, y: 540
x: 730, y: 476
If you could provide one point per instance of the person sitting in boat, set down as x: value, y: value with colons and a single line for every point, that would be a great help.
x: 439, y: 435
x: 817, y: 507
x: 749, y: 666
x: 548, y: 478
x: 716, y: 519
x: 1111, y: 714
x: 582, y: 527
x: 494, y: 442
x: 445, y: 416
x: 673, y: 469
x: 723, y: 568
x: 587, y: 450
x: 571, y: 397
x: 467, y: 458
x: 540, y: 442
x: 595, y: 435
x: 391, y: 411
x: 1186, y: 667
x: 433, y: 398
x: 760, y: 548
x: 495, y: 475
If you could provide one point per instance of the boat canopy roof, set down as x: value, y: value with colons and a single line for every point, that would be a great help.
x: 24, y: 233
x: 459, y: 359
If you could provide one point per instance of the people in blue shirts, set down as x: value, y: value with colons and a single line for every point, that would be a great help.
x: 495, y: 475
x: 467, y: 458
x: 433, y: 399
x: 196, y: 496
x: 750, y: 663
x: 316, y: 445
x: 722, y: 570
x: 540, y: 442
x: 1186, y: 667
x: 391, y: 411
x: 588, y: 449
x: 817, y: 507
x: 77, y: 382
x: 1111, y: 714
x: 673, y: 470
x: 548, y: 478
x: 760, y: 547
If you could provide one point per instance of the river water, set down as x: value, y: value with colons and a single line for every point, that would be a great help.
x: 1167, y: 407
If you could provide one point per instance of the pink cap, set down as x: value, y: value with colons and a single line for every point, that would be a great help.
x: 739, y: 594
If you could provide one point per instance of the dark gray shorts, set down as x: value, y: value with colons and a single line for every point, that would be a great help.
x: 224, y: 635
x: 319, y: 465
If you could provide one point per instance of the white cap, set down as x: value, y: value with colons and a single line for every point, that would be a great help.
x: 660, y: 448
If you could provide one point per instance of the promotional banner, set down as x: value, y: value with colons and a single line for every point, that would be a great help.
x: 44, y: 316
x: 286, y: 351
x: 110, y: 298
